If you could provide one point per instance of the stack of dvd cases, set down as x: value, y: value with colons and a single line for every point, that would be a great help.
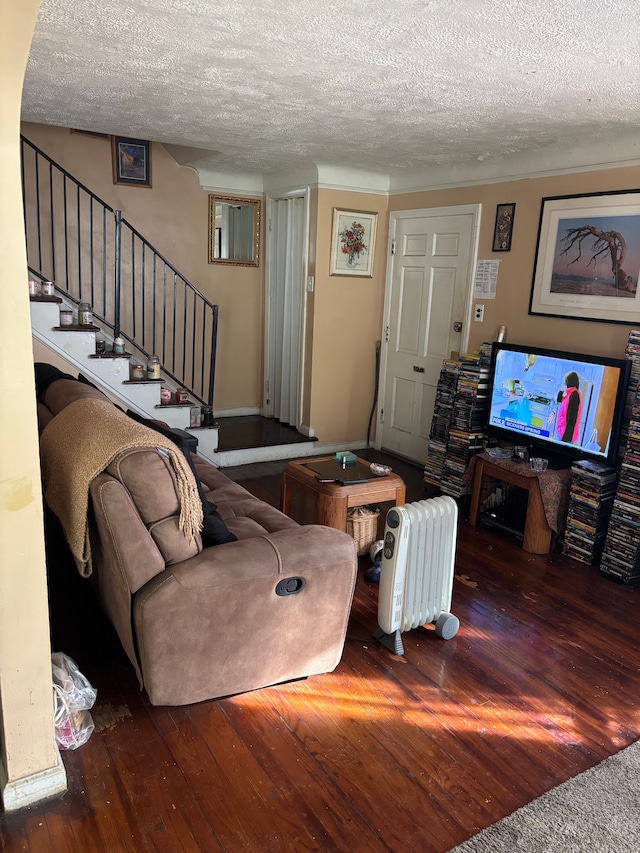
x: 458, y: 424
x: 632, y: 353
x: 441, y: 421
x: 593, y: 488
x: 621, y: 555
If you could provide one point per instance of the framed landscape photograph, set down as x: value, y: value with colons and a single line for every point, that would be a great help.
x: 131, y: 160
x: 588, y: 258
x: 353, y: 242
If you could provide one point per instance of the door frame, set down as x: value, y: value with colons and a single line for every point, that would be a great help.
x: 267, y: 403
x: 394, y: 216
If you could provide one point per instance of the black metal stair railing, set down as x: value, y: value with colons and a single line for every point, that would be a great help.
x: 94, y: 255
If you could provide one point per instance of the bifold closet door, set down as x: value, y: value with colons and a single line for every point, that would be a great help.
x: 287, y: 292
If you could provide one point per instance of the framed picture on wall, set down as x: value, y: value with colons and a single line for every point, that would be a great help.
x: 131, y: 159
x: 353, y: 240
x: 503, y: 230
x: 588, y: 258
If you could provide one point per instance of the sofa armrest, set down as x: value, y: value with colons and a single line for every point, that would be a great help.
x: 297, y: 550
x: 214, y: 625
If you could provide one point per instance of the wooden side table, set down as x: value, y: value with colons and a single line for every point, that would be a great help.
x: 537, y: 532
x: 333, y: 499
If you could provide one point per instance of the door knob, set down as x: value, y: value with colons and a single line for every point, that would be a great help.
x: 457, y: 326
x: 418, y: 369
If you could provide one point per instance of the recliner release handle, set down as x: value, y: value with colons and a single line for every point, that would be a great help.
x: 289, y: 586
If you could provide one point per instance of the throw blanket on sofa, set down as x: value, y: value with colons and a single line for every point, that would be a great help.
x: 83, y: 440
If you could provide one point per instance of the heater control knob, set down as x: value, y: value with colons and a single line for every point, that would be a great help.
x: 389, y: 544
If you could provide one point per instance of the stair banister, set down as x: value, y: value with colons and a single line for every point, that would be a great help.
x: 117, y: 273
x: 55, y: 218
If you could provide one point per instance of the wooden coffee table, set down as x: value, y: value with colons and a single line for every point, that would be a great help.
x: 332, y: 500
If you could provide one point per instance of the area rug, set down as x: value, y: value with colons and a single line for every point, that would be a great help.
x: 599, y: 810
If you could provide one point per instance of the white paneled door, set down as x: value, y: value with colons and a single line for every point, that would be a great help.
x: 427, y: 310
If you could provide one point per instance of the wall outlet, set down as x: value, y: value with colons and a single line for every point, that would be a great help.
x: 478, y: 313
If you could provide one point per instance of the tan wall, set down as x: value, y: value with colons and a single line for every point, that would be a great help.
x: 511, y: 305
x: 25, y: 667
x: 173, y: 216
x: 344, y: 315
x: 347, y: 324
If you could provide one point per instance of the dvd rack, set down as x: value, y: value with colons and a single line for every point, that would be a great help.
x: 632, y: 354
x: 621, y: 555
x: 441, y: 421
x: 458, y: 423
x: 593, y: 487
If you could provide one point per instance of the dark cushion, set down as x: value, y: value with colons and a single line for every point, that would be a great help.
x: 86, y: 380
x: 214, y: 530
x: 46, y: 374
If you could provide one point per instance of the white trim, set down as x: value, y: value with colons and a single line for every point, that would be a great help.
x: 249, y: 455
x: 29, y: 790
x: 246, y: 456
x: 502, y: 179
x: 475, y: 211
x: 307, y: 430
x: 229, y: 183
x: 353, y: 179
x: 557, y: 159
x: 553, y: 160
x: 290, y: 182
x: 237, y: 413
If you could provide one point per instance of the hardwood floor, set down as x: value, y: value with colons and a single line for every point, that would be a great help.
x: 387, y: 753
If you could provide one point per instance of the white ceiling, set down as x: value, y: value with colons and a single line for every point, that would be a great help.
x: 398, y: 87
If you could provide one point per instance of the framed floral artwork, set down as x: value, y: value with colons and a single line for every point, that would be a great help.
x: 353, y: 242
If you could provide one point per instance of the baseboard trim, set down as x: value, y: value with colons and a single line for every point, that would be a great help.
x: 32, y: 789
x: 236, y: 413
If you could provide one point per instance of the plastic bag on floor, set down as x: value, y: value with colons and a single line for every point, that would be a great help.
x: 73, y: 696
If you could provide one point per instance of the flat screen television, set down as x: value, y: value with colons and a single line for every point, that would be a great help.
x: 561, y: 405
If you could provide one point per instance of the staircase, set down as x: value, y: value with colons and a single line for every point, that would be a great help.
x: 94, y: 255
x: 110, y: 372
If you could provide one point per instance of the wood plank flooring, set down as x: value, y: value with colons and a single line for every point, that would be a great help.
x: 387, y: 753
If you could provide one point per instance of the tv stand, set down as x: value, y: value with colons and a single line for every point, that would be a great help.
x: 536, y: 535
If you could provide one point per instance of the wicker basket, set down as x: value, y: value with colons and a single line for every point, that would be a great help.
x: 362, y: 524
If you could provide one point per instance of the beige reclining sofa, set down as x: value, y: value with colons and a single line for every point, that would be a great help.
x: 267, y: 605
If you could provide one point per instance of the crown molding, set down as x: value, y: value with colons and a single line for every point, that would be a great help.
x: 556, y: 159
x: 553, y: 160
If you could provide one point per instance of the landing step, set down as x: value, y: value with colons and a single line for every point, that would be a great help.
x: 249, y: 455
x: 171, y: 405
x: 76, y: 328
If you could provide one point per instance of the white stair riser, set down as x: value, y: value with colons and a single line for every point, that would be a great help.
x: 109, y: 374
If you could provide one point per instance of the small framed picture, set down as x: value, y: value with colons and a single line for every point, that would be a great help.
x: 353, y: 242
x: 505, y: 214
x: 131, y: 161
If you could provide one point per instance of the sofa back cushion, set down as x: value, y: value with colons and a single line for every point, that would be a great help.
x: 149, y: 478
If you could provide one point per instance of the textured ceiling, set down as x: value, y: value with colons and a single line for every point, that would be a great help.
x: 389, y: 87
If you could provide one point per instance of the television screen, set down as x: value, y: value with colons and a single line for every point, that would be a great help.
x: 559, y: 404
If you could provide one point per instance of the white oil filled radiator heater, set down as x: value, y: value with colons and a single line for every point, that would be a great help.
x: 416, y: 571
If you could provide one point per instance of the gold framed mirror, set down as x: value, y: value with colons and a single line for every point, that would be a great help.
x: 234, y: 230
